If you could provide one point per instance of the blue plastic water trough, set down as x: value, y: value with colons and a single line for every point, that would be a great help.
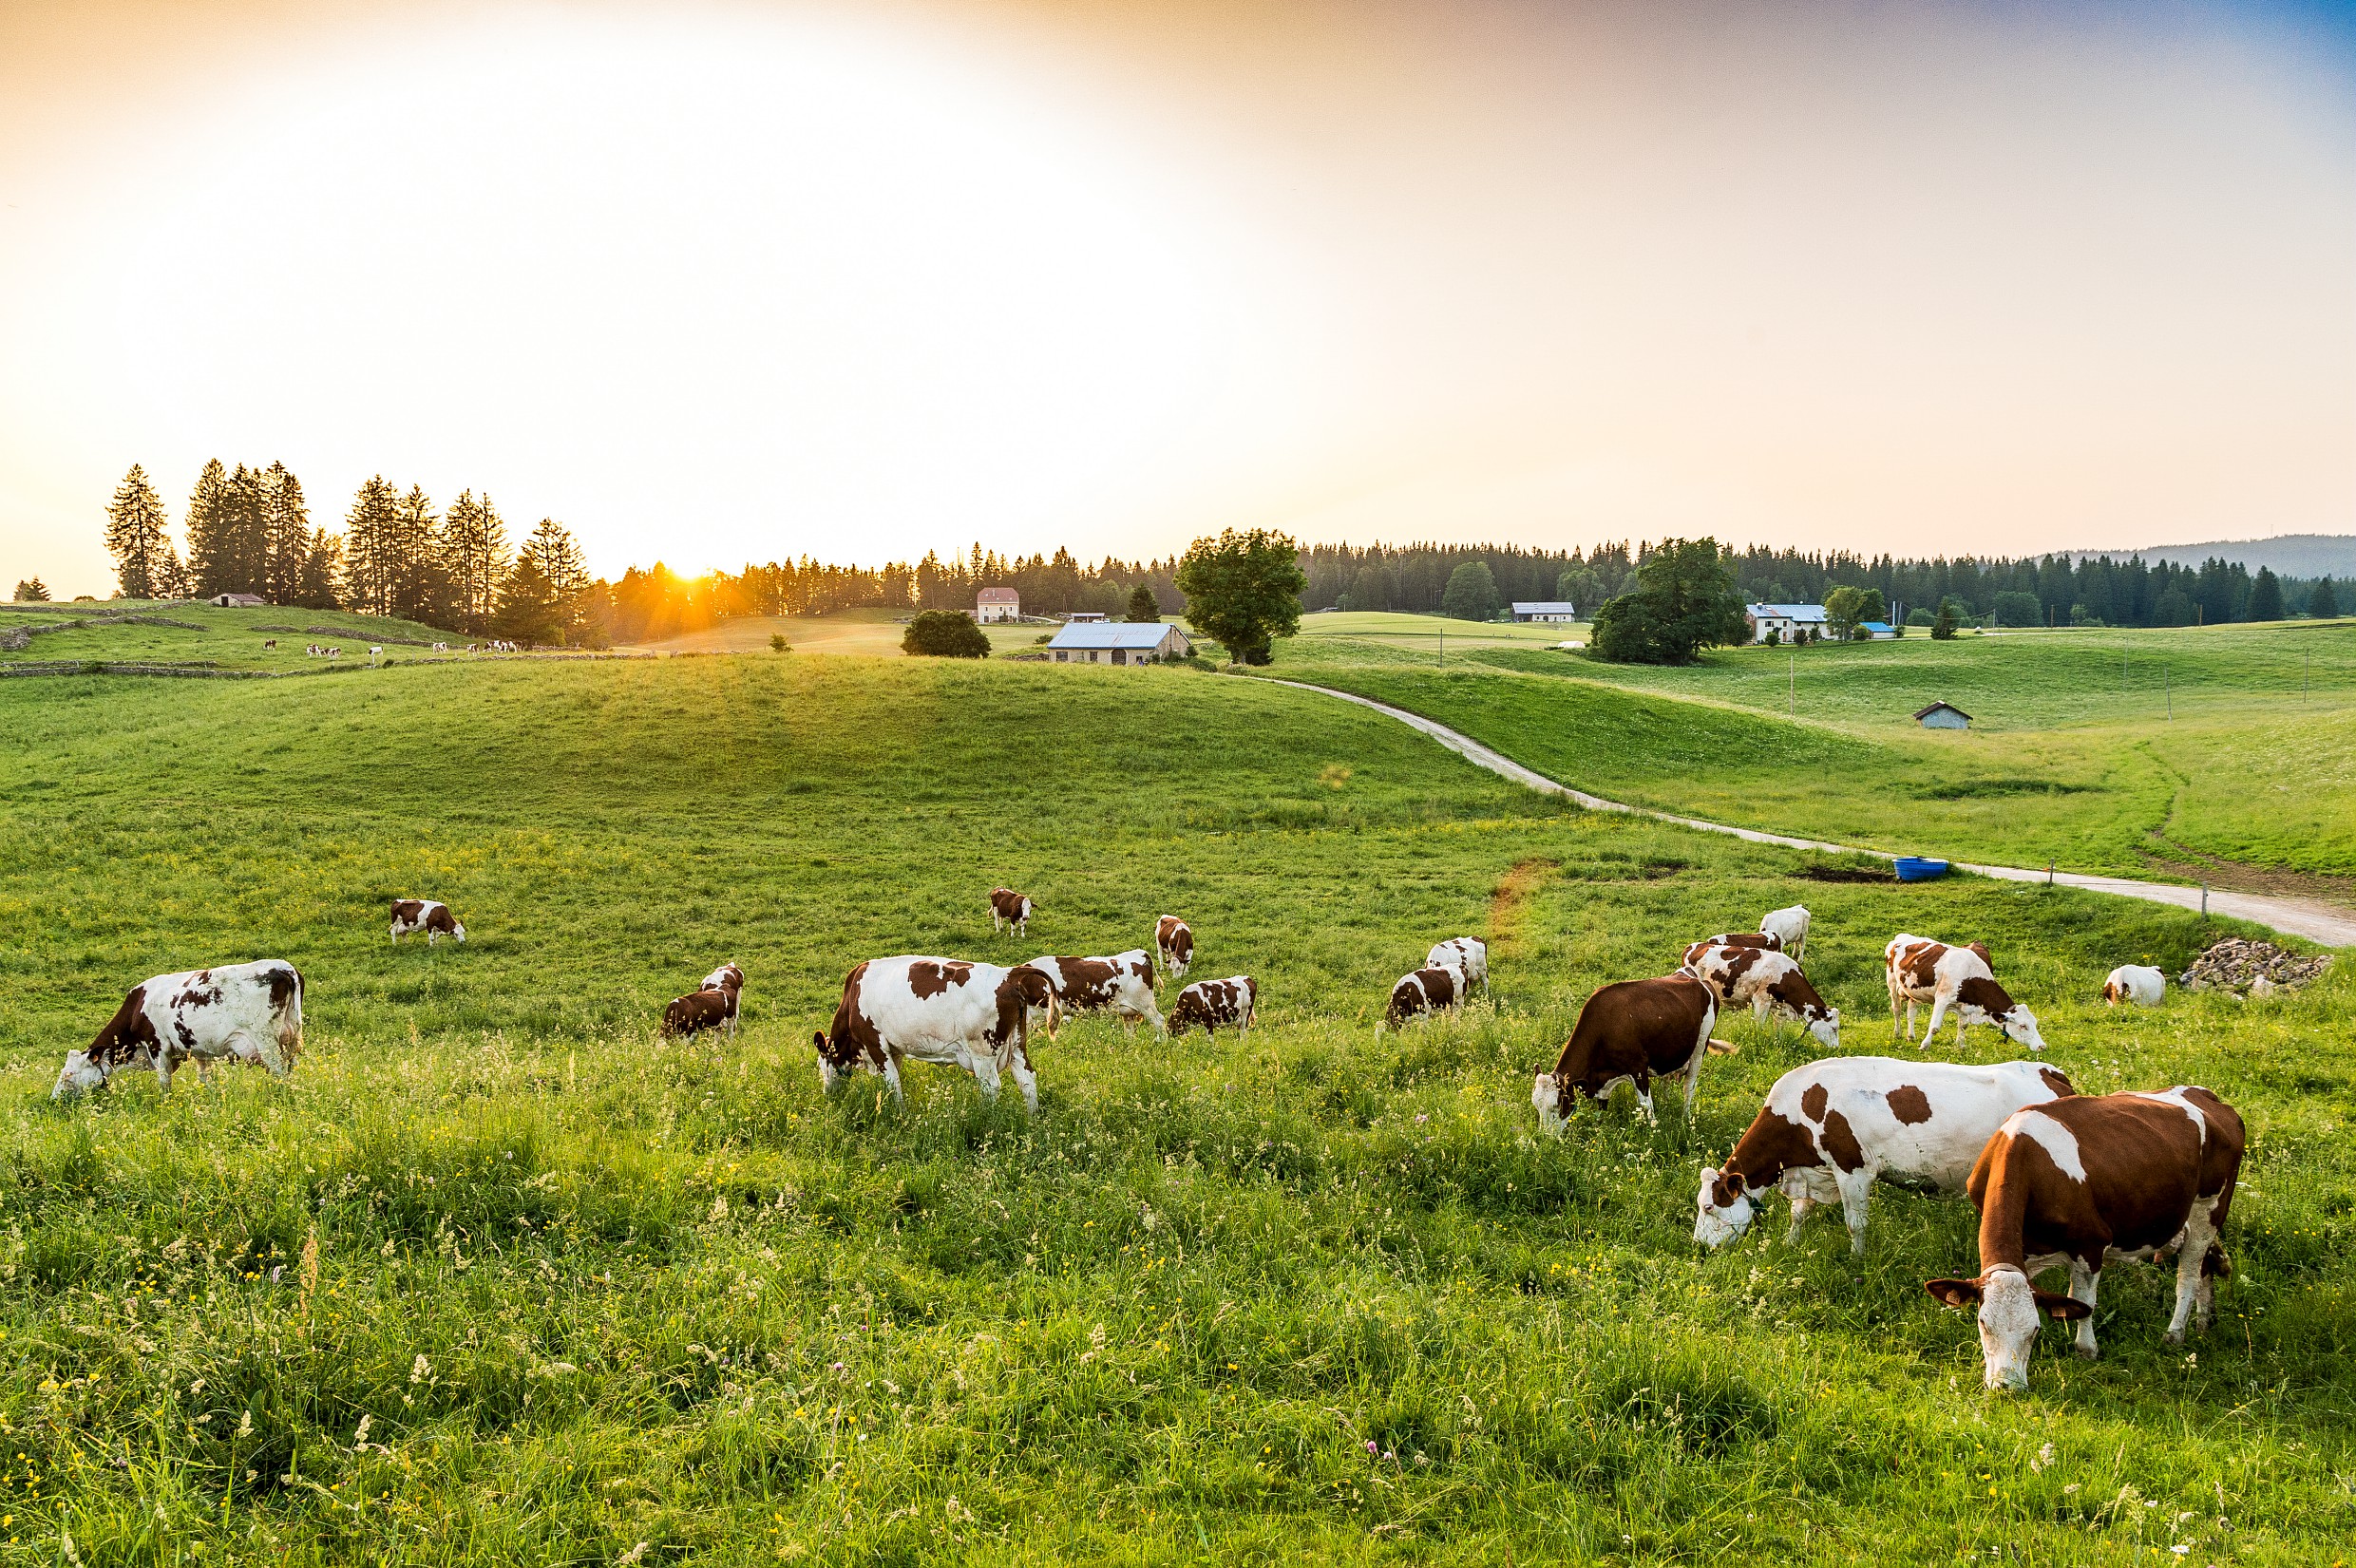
x: 1914, y: 869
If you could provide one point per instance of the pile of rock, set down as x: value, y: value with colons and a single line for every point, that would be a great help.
x: 2259, y: 969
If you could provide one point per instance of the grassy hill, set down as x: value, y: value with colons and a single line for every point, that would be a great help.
x: 202, y: 637
x: 874, y: 632
x: 1319, y: 1294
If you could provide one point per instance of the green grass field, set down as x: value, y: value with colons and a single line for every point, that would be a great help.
x: 1435, y: 636
x: 2055, y: 767
x: 873, y: 633
x: 581, y: 1296
x: 121, y: 631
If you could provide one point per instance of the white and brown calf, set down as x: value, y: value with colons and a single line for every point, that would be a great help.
x: 716, y: 1005
x: 1423, y: 993
x: 1770, y: 984
x: 946, y: 1010
x: 1009, y: 909
x: 1630, y: 1033
x: 410, y: 915
x: 2087, y: 1180
x: 1832, y: 1128
x: 1468, y: 956
x: 1957, y: 981
x: 2142, y: 983
x: 247, y: 1012
x: 1173, y: 943
x: 1790, y: 929
x: 1216, y: 1004
x: 1122, y: 984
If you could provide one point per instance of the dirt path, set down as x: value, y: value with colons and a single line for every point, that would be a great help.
x: 2300, y: 916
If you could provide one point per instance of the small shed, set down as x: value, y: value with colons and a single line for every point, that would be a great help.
x: 1544, y: 609
x: 998, y: 604
x: 1943, y: 715
x: 238, y: 601
x: 1118, y: 642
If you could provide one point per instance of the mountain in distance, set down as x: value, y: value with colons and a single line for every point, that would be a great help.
x: 2290, y: 555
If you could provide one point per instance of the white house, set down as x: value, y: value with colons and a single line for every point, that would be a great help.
x: 1943, y: 715
x: 1544, y: 609
x: 998, y: 604
x: 1118, y: 642
x: 1784, y: 619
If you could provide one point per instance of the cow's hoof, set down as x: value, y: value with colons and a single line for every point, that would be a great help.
x: 2089, y: 1353
x: 2175, y: 1336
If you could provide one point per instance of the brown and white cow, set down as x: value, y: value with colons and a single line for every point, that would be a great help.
x: 716, y: 1005
x: 1770, y: 984
x: 1630, y: 1032
x: 1173, y: 943
x: 2087, y: 1180
x: 248, y: 1012
x: 410, y: 915
x: 1731, y: 939
x: 1215, y: 1003
x: 1955, y: 980
x: 1122, y: 984
x: 1467, y: 955
x: 1831, y: 1129
x: 2142, y: 983
x: 947, y: 1011
x: 1009, y: 908
x: 1789, y: 926
x: 1422, y: 993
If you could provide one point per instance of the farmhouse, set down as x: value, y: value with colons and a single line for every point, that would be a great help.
x: 1785, y: 620
x: 1544, y: 609
x: 1118, y: 642
x: 1870, y: 630
x: 238, y: 601
x: 998, y: 604
x: 1943, y: 715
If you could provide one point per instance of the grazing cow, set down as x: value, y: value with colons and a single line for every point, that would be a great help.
x: 415, y: 914
x: 1009, y: 908
x: 1425, y: 992
x: 1210, y: 1003
x: 715, y: 1005
x: 1467, y: 955
x: 441, y: 648
x: 375, y: 654
x: 1630, y: 1032
x: 272, y: 642
x: 1731, y: 939
x: 1952, y: 979
x: 335, y: 652
x: 728, y: 976
x: 252, y: 1013
x: 1173, y: 942
x: 1830, y: 1129
x: 1770, y: 984
x: 946, y: 1010
x: 2085, y: 1180
x: 1122, y: 984
x: 1790, y: 927
x: 2142, y: 983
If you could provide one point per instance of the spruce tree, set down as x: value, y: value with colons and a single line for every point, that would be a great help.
x: 2323, y: 604
x: 474, y: 544
x: 210, y: 545
x: 323, y: 563
x: 32, y: 591
x: 527, y: 605
x: 285, y: 536
x: 565, y: 570
x: 137, y: 537
x: 244, y: 536
x: 2266, y: 600
x: 420, y: 585
x: 1144, y: 609
x: 370, y: 545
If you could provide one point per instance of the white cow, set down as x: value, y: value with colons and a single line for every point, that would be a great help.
x: 1468, y: 956
x: 1770, y: 984
x: 1122, y: 984
x: 1791, y: 927
x: 2142, y: 983
x: 1955, y: 980
x: 252, y: 1013
x: 948, y: 1011
x: 431, y: 915
x: 1830, y: 1128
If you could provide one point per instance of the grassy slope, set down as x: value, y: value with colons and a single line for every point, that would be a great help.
x: 1425, y: 633
x: 876, y: 632
x: 2241, y: 772
x: 589, y: 1291
x: 231, y: 639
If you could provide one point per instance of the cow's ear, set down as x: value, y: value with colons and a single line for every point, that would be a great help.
x: 2065, y: 1309
x: 1955, y: 1292
x: 818, y: 1038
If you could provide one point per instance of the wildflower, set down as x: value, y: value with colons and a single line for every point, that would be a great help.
x: 245, y: 1423
x: 420, y: 1370
x: 360, y: 1436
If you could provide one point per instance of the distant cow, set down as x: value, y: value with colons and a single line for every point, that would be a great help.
x: 375, y: 654
x: 1733, y: 938
x: 1422, y: 993
x: 1953, y: 980
x: 1830, y: 1129
x: 1630, y: 1032
x: 1173, y: 943
x: 975, y: 1016
x: 1467, y: 955
x: 252, y: 1013
x: 1122, y: 984
x: 1234, y: 1001
x: 1790, y: 926
x: 714, y: 1005
x: 272, y: 642
x: 2087, y: 1180
x: 1009, y: 908
x: 410, y: 915
x: 1770, y: 984
x: 2142, y: 983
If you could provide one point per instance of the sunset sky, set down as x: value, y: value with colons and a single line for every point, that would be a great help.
x: 719, y: 282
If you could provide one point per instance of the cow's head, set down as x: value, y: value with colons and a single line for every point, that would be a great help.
x: 77, y: 1076
x: 1551, y: 1098
x: 1723, y: 1209
x: 829, y: 1074
x: 2010, y: 1309
x: 1824, y: 1022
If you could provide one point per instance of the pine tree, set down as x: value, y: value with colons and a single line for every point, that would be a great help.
x: 370, y: 545
x: 1144, y: 609
x: 527, y: 604
x: 209, y: 529
x: 137, y: 537
x: 285, y: 536
x: 474, y: 544
x: 565, y: 570
x: 245, y: 535
x: 33, y: 591
x: 2266, y: 600
x: 2323, y: 604
x: 323, y: 562
x: 419, y: 589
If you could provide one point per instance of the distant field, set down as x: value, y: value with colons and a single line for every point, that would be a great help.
x: 1435, y: 635
x: 874, y: 632
x: 119, y: 631
x: 1320, y: 1295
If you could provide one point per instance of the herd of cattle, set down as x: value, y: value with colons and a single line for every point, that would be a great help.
x: 2058, y: 1177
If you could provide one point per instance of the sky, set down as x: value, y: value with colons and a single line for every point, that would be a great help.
x: 712, y: 282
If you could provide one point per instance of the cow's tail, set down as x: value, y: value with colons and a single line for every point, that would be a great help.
x: 286, y: 1011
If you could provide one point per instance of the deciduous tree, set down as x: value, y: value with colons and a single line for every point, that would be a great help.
x: 1683, y: 602
x: 945, y: 634
x: 1244, y: 589
x: 1472, y: 592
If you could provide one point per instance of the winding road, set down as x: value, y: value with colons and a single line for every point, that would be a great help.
x: 2317, y: 922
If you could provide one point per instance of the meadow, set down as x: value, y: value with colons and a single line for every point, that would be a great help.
x: 875, y: 634
x: 499, y: 1277
x: 2072, y: 756
x: 203, y: 637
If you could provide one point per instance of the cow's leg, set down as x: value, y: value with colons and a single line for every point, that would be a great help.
x: 891, y: 1075
x: 1857, y: 1191
x: 2197, y: 1234
x: 1153, y: 1016
x: 2082, y: 1283
x: 164, y: 1071
x: 1018, y: 1068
